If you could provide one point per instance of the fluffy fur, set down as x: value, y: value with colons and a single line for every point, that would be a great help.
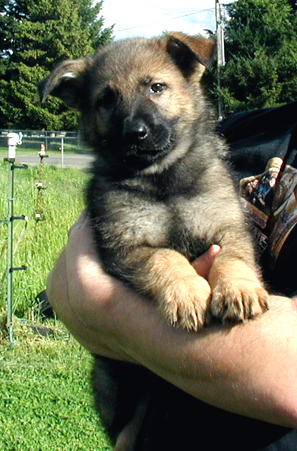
x: 160, y: 195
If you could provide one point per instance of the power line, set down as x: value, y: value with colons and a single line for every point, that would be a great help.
x: 166, y: 20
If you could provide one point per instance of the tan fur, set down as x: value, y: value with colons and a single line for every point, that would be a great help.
x: 237, y: 290
x: 160, y: 196
x: 167, y: 277
x: 140, y: 227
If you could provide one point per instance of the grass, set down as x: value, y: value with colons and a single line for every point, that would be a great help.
x: 32, y: 151
x: 37, y: 244
x: 45, y: 399
x: 45, y: 396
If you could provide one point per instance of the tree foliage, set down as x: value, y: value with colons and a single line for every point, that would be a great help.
x: 261, y: 54
x: 34, y: 36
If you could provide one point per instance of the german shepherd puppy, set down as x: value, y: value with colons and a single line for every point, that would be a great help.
x: 161, y: 195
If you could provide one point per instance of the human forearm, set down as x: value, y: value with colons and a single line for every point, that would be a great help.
x: 249, y: 368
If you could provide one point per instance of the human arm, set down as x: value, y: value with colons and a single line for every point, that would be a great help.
x: 249, y: 368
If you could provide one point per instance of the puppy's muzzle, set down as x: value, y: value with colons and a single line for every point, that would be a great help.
x: 145, y: 141
x: 135, y: 132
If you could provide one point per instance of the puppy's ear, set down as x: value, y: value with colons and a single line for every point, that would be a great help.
x: 66, y: 82
x: 186, y: 51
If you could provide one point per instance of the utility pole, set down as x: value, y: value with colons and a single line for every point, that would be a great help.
x: 220, y: 52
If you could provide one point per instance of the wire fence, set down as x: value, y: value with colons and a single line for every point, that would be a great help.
x: 53, y: 140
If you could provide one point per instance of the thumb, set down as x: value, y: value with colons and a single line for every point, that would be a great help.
x: 203, y: 264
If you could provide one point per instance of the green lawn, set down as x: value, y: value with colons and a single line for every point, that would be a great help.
x: 34, y: 151
x: 30, y: 151
x: 45, y: 399
x: 45, y: 396
x: 37, y: 244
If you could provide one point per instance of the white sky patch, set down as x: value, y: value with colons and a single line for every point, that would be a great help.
x: 151, y: 18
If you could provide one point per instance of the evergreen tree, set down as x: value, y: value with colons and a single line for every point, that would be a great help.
x: 89, y: 14
x: 261, y: 55
x: 35, y: 35
x: 293, y: 3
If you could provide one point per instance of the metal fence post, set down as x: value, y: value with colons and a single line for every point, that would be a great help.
x: 13, y: 141
x: 62, y: 150
x: 10, y: 248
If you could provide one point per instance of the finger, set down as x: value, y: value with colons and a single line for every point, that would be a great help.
x: 203, y: 264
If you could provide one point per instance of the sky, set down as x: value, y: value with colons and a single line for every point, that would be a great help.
x: 152, y: 17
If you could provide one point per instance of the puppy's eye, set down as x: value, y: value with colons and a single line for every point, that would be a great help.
x: 157, y: 88
x: 107, y: 99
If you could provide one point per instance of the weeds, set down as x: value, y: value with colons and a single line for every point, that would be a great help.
x: 45, y: 399
x: 38, y: 243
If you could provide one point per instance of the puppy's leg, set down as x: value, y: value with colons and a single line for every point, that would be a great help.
x: 127, y: 438
x: 167, y: 277
x: 238, y: 293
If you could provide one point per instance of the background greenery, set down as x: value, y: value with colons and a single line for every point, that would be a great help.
x: 260, y: 43
x: 45, y: 398
x: 38, y: 244
x: 261, y: 55
x: 34, y: 36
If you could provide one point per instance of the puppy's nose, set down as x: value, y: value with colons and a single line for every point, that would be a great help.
x: 135, y: 132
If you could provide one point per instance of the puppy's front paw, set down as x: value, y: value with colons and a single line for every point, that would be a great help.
x: 238, y: 292
x: 184, y: 303
x: 238, y: 300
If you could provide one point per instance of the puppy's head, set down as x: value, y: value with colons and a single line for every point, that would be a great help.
x: 139, y: 99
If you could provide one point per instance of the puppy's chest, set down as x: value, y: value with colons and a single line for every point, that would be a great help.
x: 136, y: 220
x: 191, y: 232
